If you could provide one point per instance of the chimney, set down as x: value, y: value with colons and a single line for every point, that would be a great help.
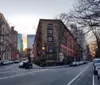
x: 12, y: 28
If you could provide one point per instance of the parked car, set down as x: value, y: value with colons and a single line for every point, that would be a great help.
x: 6, y: 62
x: 74, y: 64
x: 16, y: 61
x: 96, y: 67
x: 78, y: 63
x: 95, y: 60
x: 81, y: 62
x: 25, y: 64
x: 11, y: 62
x: 86, y: 62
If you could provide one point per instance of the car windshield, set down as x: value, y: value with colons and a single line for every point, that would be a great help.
x: 74, y: 63
x: 97, y: 61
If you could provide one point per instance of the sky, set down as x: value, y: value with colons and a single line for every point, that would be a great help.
x: 24, y: 38
x: 25, y: 14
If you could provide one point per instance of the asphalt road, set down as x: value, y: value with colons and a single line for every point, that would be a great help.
x: 79, y: 75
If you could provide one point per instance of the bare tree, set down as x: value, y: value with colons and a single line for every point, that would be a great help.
x: 5, y: 42
x: 4, y: 45
x: 86, y: 14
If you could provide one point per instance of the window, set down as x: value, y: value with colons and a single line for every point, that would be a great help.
x: 50, y: 31
x: 50, y: 39
x: 50, y: 26
x: 50, y: 48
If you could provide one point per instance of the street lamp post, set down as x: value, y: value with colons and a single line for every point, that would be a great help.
x: 43, y: 52
x: 0, y: 41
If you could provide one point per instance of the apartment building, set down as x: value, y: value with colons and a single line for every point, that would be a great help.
x: 14, y: 41
x: 52, y: 39
x: 5, y: 53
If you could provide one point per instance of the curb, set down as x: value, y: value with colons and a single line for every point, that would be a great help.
x: 53, y: 67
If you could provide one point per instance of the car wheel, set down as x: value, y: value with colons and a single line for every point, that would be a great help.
x: 30, y: 66
x: 26, y: 67
x: 95, y: 72
x: 98, y: 77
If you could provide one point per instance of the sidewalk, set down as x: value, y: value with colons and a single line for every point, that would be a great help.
x: 50, y: 67
x: 53, y: 67
x: 36, y: 66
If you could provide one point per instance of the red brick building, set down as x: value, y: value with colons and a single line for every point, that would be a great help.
x: 52, y: 38
x: 14, y: 40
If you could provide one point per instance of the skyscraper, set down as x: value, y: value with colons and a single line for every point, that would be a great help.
x: 30, y: 40
x: 19, y: 41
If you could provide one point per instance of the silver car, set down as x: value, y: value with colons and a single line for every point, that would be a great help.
x: 96, y: 64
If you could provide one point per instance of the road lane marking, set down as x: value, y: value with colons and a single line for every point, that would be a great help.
x: 23, y: 74
x: 78, y: 76
x: 93, y: 81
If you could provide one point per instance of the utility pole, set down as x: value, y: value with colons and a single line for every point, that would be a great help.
x: 0, y: 36
x: 0, y: 41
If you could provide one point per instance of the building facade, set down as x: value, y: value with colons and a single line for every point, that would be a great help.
x: 52, y: 39
x: 80, y: 38
x: 5, y: 50
x: 30, y: 41
x: 21, y: 45
x: 14, y: 41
